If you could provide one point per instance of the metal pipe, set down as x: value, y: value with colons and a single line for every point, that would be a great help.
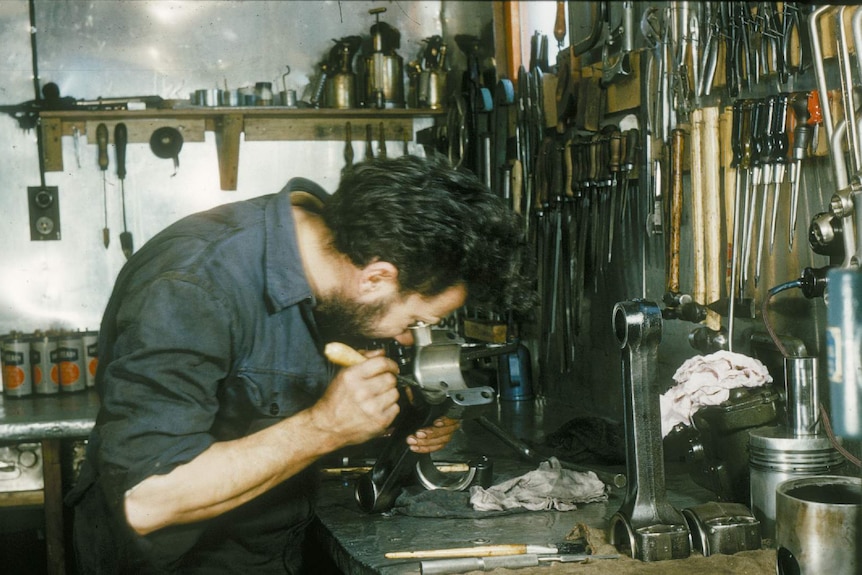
x: 847, y: 89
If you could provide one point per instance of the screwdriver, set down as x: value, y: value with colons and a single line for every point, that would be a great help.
x: 121, y: 137
x: 780, y: 149
x: 102, y: 141
x: 345, y: 356
x: 799, y: 151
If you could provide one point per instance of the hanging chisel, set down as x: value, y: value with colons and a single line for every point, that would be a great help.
x: 369, y: 142
x: 102, y: 141
x: 348, y: 145
x: 121, y: 137
x: 779, y: 152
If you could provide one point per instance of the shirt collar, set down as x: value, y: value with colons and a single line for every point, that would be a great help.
x: 286, y: 284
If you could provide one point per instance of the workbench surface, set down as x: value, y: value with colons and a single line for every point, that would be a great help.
x: 40, y: 417
x: 357, y: 541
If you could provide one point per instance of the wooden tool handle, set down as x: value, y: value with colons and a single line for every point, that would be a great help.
x: 342, y: 354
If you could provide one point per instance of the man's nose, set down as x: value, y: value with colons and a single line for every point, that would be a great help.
x: 405, y: 338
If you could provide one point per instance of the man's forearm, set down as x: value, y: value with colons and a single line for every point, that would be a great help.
x: 228, y: 474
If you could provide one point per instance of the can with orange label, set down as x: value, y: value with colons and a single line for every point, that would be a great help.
x: 41, y: 346
x: 91, y: 356
x: 69, y: 360
x: 17, y: 381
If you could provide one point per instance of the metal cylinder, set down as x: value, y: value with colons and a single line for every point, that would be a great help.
x: 90, y: 339
x: 17, y: 381
x: 384, y: 81
x: 776, y: 456
x: 816, y: 526
x: 69, y: 357
x: 40, y: 364
x: 844, y: 351
x: 340, y: 91
x: 803, y: 405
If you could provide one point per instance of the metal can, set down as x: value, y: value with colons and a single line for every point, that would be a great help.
x: 41, y: 366
x: 17, y: 381
x: 69, y: 360
x: 91, y: 356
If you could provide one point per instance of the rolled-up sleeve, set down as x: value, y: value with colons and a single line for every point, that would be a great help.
x: 172, y: 350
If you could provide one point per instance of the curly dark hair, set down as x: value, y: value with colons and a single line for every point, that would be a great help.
x: 438, y: 226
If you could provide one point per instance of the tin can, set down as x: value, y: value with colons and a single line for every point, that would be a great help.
x: 41, y: 366
x: 91, y: 356
x: 69, y: 361
x: 17, y: 381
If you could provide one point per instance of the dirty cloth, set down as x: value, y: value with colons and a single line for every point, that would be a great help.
x: 550, y: 487
x: 707, y: 380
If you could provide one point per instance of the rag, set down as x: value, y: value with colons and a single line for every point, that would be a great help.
x: 707, y: 380
x: 550, y: 487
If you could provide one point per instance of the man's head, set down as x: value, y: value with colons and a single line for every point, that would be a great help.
x: 436, y: 229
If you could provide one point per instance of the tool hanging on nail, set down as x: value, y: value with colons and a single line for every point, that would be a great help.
x: 102, y: 142
x: 121, y: 137
x: 348, y: 146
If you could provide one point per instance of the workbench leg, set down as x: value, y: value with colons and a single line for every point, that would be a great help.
x: 53, y: 507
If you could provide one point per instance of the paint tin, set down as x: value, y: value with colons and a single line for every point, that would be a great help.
x: 91, y: 356
x: 17, y: 381
x: 41, y: 366
x: 69, y: 358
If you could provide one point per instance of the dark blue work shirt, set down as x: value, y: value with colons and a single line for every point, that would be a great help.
x: 208, y: 336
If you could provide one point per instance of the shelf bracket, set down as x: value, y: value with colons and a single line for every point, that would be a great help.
x: 227, y: 131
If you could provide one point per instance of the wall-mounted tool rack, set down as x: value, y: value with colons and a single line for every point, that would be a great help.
x: 258, y: 124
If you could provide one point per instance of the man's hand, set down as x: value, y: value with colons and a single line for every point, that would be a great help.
x: 361, y: 402
x: 434, y: 438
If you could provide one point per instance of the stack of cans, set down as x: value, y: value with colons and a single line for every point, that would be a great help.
x: 47, y: 363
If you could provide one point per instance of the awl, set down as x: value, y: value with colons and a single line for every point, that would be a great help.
x: 476, y: 551
x: 467, y: 564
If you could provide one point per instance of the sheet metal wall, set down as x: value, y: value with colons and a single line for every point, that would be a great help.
x: 166, y: 48
x: 172, y: 47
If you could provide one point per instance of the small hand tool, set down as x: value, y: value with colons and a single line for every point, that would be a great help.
x: 467, y: 564
x: 348, y: 145
x: 120, y: 139
x: 369, y: 142
x: 102, y: 141
x: 345, y: 356
x: 799, y: 151
x: 381, y: 141
x: 487, y: 551
x: 779, y: 152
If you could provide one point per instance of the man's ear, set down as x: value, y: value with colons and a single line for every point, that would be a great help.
x: 379, y: 277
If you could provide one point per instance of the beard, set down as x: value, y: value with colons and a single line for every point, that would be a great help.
x: 341, y: 319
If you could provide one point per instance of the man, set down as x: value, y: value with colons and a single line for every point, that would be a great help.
x: 216, y: 398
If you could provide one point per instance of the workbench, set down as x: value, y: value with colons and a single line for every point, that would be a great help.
x: 49, y: 419
x: 357, y: 541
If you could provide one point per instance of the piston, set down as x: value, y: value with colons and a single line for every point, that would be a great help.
x: 797, y: 449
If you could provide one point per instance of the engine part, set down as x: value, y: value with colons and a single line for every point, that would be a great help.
x: 776, y: 456
x: 440, y: 391
x: 817, y: 525
x: 647, y: 526
x: 725, y: 528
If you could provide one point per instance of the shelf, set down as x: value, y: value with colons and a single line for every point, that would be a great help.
x: 258, y: 124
